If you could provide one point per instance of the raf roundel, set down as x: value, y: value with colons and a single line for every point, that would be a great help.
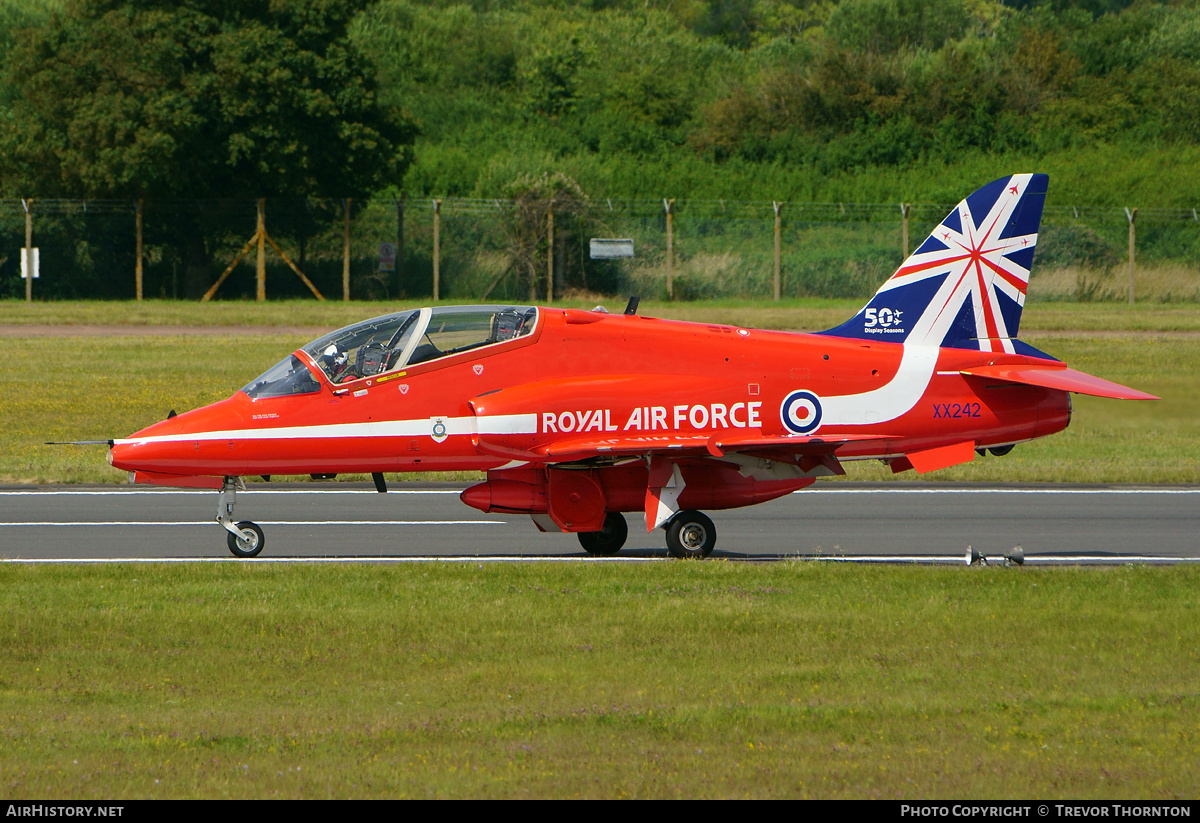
x: 801, y: 412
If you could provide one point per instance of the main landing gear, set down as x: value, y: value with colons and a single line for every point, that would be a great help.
x: 609, y: 540
x: 245, y: 539
x: 690, y: 534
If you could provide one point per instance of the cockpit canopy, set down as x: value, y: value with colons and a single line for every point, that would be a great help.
x: 395, y: 341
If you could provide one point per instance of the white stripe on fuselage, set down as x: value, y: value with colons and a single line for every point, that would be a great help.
x: 487, y: 424
x: 917, y: 363
x: 887, y: 402
x: 896, y: 398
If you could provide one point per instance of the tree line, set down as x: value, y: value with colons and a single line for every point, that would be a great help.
x: 802, y: 100
x: 749, y: 99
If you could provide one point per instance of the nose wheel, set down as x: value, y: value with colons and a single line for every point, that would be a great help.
x: 691, y: 534
x: 248, y: 542
x: 245, y: 539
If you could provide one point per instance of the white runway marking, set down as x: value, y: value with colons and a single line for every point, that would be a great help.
x: 1039, y: 560
x: 261, y: 523
x: 205, y: 492
x: 998, y: 491
x: 1106, y: 532
x: 943, y: 560
x: 273, y: 492
x: 363, y: 559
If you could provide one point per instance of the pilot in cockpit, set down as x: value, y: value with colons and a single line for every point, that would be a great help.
x: 336, y: 364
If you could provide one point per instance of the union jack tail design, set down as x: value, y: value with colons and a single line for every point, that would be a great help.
x: 964, y: 287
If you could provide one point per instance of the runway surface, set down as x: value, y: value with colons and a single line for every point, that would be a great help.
x: 866, y: 522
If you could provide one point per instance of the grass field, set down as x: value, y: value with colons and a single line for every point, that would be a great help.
x: 599, y: 680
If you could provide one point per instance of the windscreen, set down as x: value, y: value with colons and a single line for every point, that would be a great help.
x: 409, y: 338
x: 366, y: 348
x: 287, y: 377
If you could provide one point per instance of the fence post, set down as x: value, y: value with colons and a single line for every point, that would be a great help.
x: 260, y: 267
x: 138, y: 268
x: 669, y: 205
x: 437, y: 221
x: 550, y: 257
x: 28, y: 204
x: 399, y: 274
x: 346, y: 249
x: 1132, y: 217
x: 905, y: 208
x: 778, y: 208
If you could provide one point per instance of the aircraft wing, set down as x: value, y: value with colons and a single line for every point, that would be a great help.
x: 1061, y: 378
x: 580, y: 448
x: 796, y: 444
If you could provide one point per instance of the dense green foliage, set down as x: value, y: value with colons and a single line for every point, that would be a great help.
x: 863, y: 100
x: 202, y: 99
x: 867, y: 100
x: 165, y: 100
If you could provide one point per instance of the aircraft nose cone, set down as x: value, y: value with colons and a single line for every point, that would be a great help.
x: 123, y: 456
x: 168, y: 447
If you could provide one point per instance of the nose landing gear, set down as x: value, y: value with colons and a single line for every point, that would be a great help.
x: 248, y: 541
x: 245, y: 539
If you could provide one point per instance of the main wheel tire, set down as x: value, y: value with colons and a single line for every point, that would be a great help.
x: 249, y: 543
x: 609, y: 540
x: 691, y: 535
x: 1000, y: 451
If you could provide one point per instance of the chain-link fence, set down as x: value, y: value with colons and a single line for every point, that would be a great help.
x: 479, y: 249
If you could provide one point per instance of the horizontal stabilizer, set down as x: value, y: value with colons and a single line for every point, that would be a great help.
x: 1063, y: 379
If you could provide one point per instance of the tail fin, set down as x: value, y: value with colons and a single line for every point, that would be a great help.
x: 964, y: 287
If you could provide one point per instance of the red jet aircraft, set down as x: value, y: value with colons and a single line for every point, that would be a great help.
x: 577, y: 416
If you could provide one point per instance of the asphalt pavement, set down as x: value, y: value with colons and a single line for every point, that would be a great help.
x: 891, y: 522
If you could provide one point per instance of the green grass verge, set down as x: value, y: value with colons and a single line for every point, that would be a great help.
x: 75, y: 388
x: 809, y: 314
x: 598, y: 680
